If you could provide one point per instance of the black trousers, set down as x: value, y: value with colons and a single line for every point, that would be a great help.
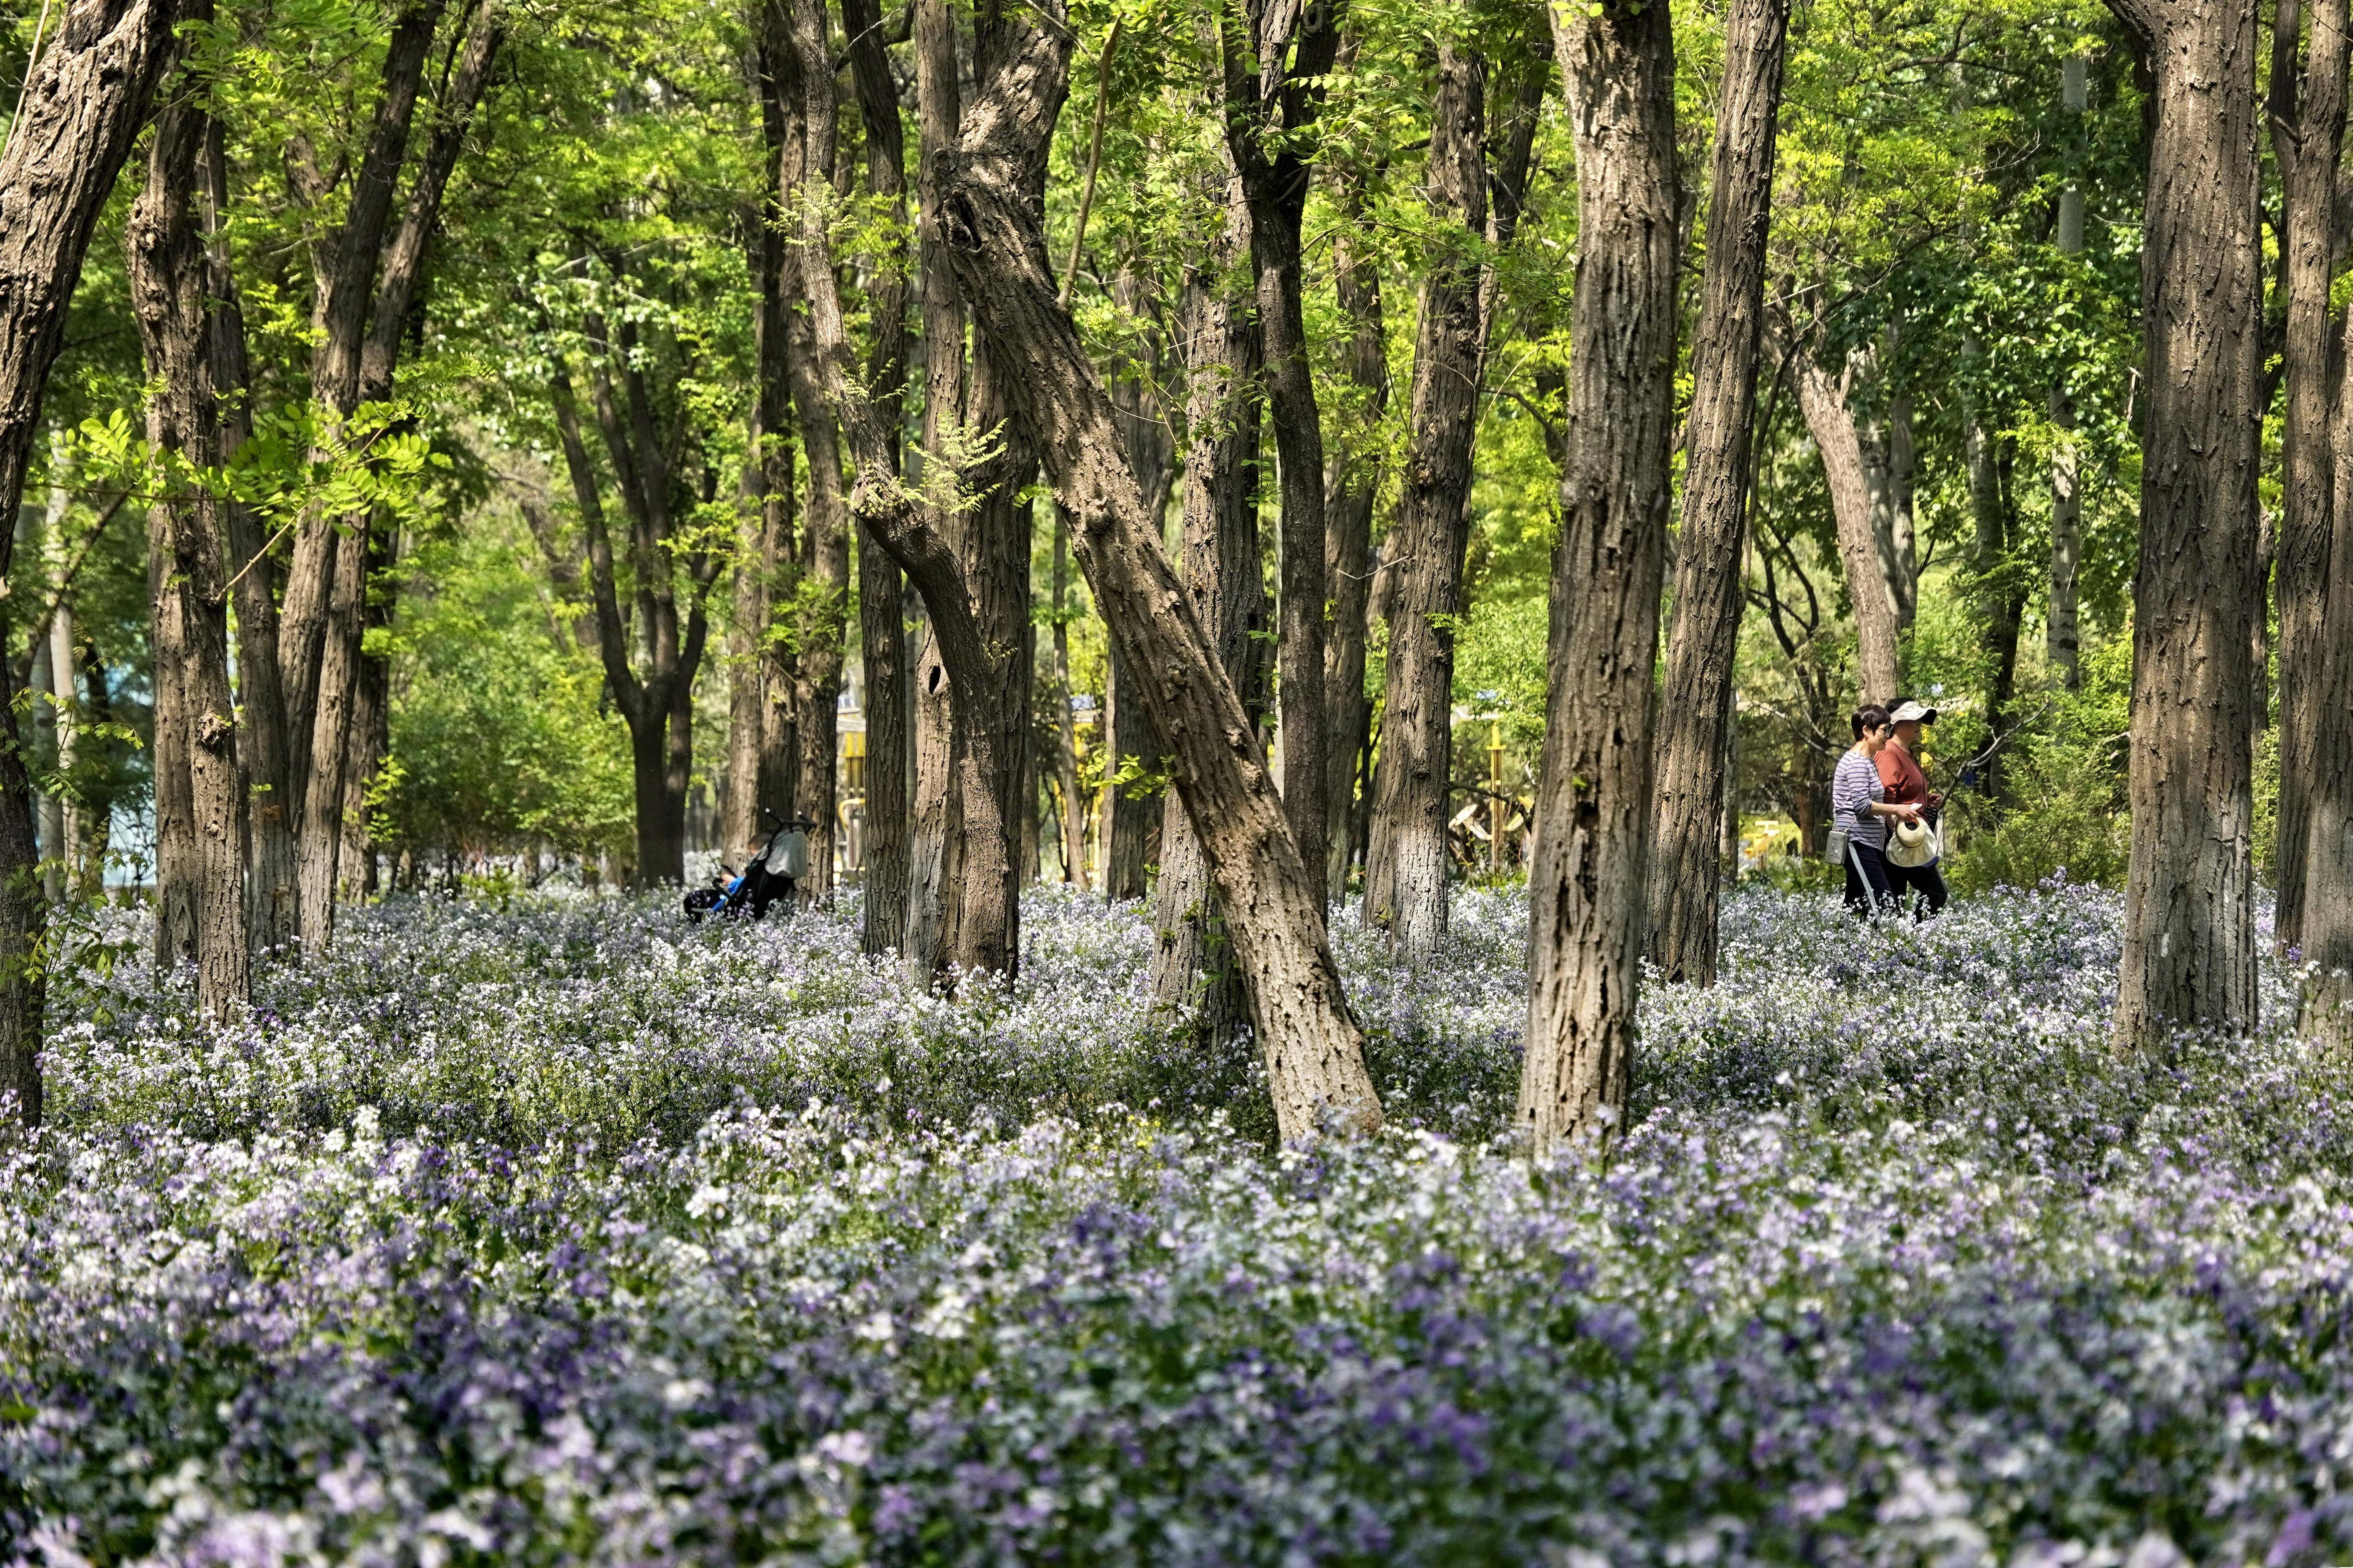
x: 1867, y: 887
x: 1926, y: 883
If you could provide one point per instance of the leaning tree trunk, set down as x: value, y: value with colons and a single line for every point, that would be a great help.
x: 992, y: 231
x: 202, y: 883
x: 1695, y: 716
x: 1193, y: 972
x: 1593, y: 805
x: 2188, y: 946
x: 80, y: 108
x: 985, y: 937
x: 2308, y: 116
x: 1847, y: 472
x: 1406, y: 864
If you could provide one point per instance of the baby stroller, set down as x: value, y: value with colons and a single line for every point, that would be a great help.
x: 781, y: 861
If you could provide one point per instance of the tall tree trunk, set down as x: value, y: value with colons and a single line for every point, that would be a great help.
x: 1192, y: 966
x: 364, y: 312
x: 2307, y: 119
x: 997, y: 536
x: 1348, y: 524
x: 993, y: 232
x: 1846, y: 469
x: 1276, y: 58
x: 935, y: 827
x: 1694, y: 760
x: 1406, y: 869
x: 2189, y: 947
x: 986, y: 940
x: 340, y: 317
x: 747, y: 652
x: 1594, y: 804
x: 2326, y: 933
x: 882, y: 641
x: 2000, y: 605
x: 2064, y: 636
x: 80, y: 108
x: 1066, y: 761
x: 1132, y: 819
x: 271, y: 888
x: 200, y: 795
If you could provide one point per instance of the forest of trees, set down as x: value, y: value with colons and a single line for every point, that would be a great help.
x: 1240, y: 454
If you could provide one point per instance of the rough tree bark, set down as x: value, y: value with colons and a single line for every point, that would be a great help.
x: 270, y: 889
x: 364, y: 312
x: 2326, y: 933
x: 984, y: 940
x: 822, y: 603
x: 1695, y: 713
x: 2308, y: 121
x: 992, y: 228
x: 1593, y: 805
x: 163, y: 244
x: 314, y: 581
x: 2188, y: 946
x: 1276, y: 58
x: 935, y: 825
x: 1405, y: 865
x: 1132, y: 819
x: 1193, y: 971
x: 882, y: 641
x: 1847, y: 471
x: 1066, y: 757
x: 73, y: 130
x: 1349, y: 523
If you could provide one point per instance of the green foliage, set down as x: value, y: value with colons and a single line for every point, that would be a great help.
x: 2066, y: 808
x: 500, y: 737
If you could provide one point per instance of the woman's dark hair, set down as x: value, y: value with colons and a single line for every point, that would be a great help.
x: 1869, y: 717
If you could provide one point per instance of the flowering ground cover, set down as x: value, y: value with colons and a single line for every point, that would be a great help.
x: 565, y: 1234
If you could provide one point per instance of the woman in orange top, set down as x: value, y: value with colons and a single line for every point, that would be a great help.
x: 1899, y: 771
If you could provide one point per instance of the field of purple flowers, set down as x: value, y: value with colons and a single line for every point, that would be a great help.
x: 565, y: 1234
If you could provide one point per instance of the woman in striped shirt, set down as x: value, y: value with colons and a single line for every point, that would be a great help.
x: 1859, y: 804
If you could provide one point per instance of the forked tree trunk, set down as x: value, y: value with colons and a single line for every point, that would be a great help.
x: 364, y: 312
x: 75, y: 119
x: 2189, y: 945
x: 984, y: 940
x: 992, y: 231
x: 1695, y: 714
x: 1405, y: 865
x: 1594, y: 804
x: 1193, y: 971
x: 2307, y: 119
x: 200, y: 885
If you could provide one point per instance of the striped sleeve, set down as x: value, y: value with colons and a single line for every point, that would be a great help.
x: 1853, y: 787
